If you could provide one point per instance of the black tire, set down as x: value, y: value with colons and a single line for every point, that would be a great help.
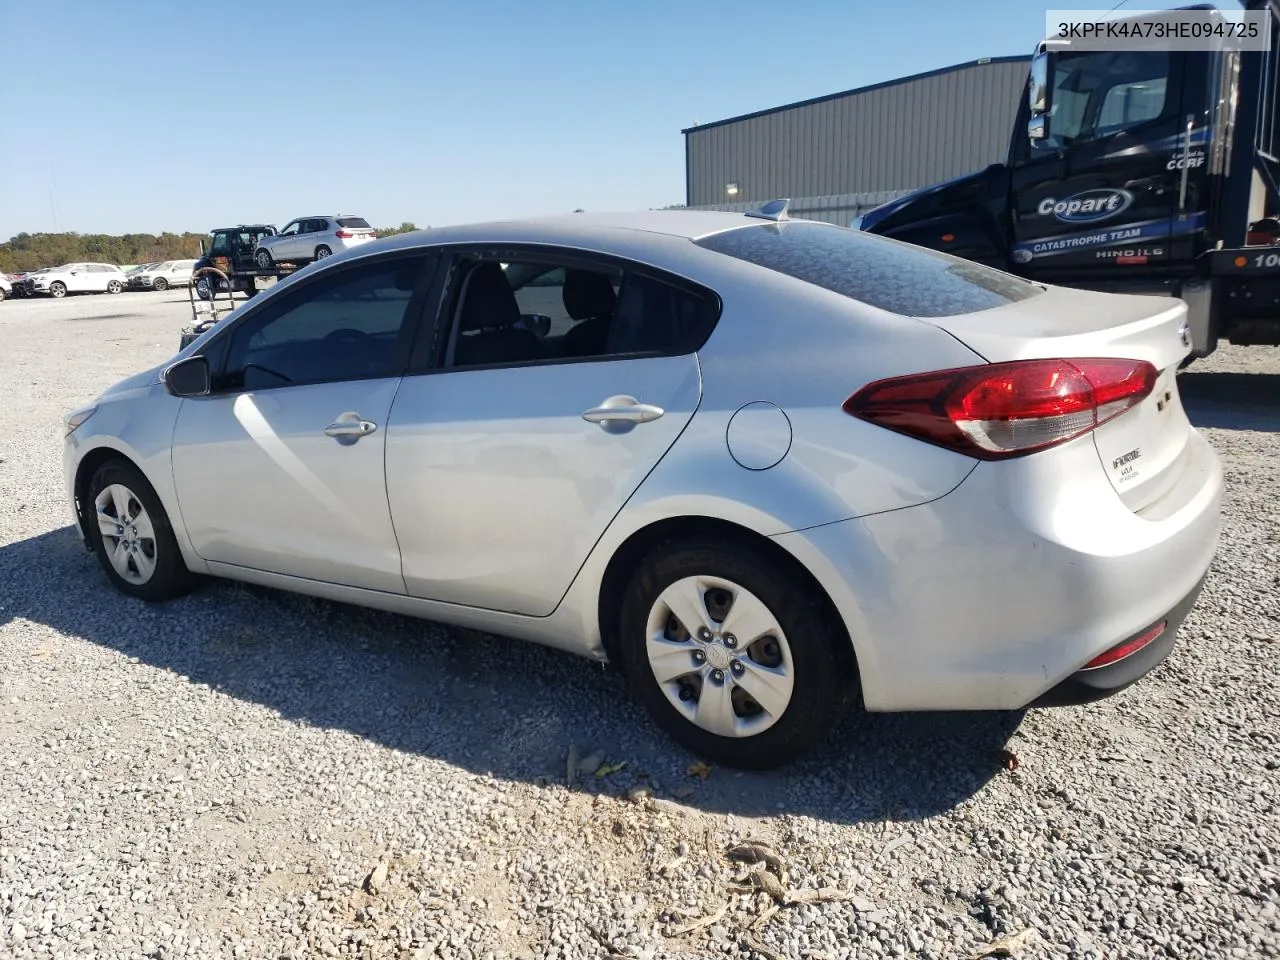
x: 323, y: 251
x: 171, y: 577
x: 58, y: 289
x: 263, y: 259
x: 1, y: 295
x: 204, y: 289
x: 115, y: 286
x: 160, y: 284
x: 821, y: 689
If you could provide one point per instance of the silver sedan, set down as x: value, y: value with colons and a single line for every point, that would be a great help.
x: 772, y: 468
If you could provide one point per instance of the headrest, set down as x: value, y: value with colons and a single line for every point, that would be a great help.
x: 488, y: 300
x: 588, y: 294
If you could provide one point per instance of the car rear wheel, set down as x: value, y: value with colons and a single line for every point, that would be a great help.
x: 114, y: 287
x: 57, y: 289
x: 263, y: 259
x: 731, y: 654
x: 160, y: 284
x: 130, y: 532
x: 1, y: 295
x: 322, y: 251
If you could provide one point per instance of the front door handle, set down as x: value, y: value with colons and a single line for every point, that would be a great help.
x: 350, y: 427
x: 621, y: 413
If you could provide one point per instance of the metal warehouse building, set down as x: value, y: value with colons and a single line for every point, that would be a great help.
x: 838, y: 155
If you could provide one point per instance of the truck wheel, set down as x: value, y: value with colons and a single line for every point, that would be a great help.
x: 263, y: 259
x: 58, y: 289
x: 322, y: 251
x: 161, y: 284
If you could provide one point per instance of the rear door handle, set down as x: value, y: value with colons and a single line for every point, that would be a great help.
x: 621, y: 413
x: 350, y: 427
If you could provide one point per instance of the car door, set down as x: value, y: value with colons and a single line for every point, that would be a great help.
x: 284, y: 245
x: 1103, y: 189
x: 555, y: 387
x: 280, y: 467
x: 315, y: 233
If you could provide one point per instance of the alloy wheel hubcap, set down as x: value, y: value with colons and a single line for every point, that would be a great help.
x: 128, y: 536
x: 720, y: 656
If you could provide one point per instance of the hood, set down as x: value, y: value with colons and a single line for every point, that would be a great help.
x: 137, y: 381
x: 920, y: 203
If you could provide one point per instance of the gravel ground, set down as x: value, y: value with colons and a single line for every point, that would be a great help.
x: 249, y: 774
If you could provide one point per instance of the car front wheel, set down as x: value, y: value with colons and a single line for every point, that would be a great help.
x: 263, y: 259
x: 57, y: 289
x: 130, y: 532
x: 732, y: 655
x: 161, y: 284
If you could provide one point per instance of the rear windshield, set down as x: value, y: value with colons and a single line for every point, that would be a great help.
x: 355, y: 223
x: 902, y: 279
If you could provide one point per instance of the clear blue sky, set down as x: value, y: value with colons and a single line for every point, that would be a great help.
x: 138, y: 117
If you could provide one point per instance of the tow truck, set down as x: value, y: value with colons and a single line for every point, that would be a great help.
x: 1149, y: 171
x: 229, y: 251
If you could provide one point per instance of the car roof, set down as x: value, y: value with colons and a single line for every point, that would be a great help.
x: 243, y: 226
x: 587, y: 228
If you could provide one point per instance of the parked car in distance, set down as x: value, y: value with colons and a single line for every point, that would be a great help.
x: 935, y: 486
x: 77, y: 278
x: 162, y: 276
x: 312, y: 238
x: 132, y: 274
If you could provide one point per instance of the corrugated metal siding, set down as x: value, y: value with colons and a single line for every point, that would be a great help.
x: 890, y: 138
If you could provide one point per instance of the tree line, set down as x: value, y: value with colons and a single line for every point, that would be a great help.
x: 33, y: 251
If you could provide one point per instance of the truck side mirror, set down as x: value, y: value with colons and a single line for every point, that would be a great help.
x: 1039, y: 97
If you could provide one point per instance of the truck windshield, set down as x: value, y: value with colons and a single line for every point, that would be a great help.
x: 897, y: 277
x: 1099, y: 93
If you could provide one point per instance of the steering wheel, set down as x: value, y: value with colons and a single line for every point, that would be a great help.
x: 347, y: 335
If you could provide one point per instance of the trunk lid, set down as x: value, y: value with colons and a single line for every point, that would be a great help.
x: 1142, y: 450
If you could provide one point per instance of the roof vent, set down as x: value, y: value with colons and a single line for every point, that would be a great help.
x: 775, y: 210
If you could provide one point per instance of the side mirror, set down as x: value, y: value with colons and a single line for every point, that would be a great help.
x: 1039, y: 97
x: 188, y: 378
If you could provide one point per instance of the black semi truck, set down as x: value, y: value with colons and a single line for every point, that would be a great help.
x: 1134, y: 171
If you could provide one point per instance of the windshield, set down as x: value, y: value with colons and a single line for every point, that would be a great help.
x: 897, y: 277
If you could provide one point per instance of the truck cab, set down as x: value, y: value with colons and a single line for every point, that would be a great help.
x: 230, y: 250
x: 1130, y: 171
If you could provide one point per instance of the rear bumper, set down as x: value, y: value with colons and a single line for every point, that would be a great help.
x: 1088, y: 686
x: 997, y: 593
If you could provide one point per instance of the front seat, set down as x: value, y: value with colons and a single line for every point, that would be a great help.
x: 589, y: 299
x: 487, y: 331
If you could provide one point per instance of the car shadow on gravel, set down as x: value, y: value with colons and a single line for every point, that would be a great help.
x: 489, y: 705
x: 1231, y: 401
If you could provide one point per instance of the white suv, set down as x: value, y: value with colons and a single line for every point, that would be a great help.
x: 78, y: 278
x: 312, y: 238
x: 162, y: 276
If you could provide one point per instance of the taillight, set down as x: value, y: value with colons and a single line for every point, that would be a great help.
x: 344, y: 234
x: 1002, y: 410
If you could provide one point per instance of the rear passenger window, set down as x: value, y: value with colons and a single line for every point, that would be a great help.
x: 538, y: 311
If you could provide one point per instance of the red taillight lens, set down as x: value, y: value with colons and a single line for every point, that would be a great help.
x: 344, y: 234
x: 1002, y: 410
x: 1127, y: 649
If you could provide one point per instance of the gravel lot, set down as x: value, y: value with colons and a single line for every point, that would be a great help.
x: 218, y: 777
